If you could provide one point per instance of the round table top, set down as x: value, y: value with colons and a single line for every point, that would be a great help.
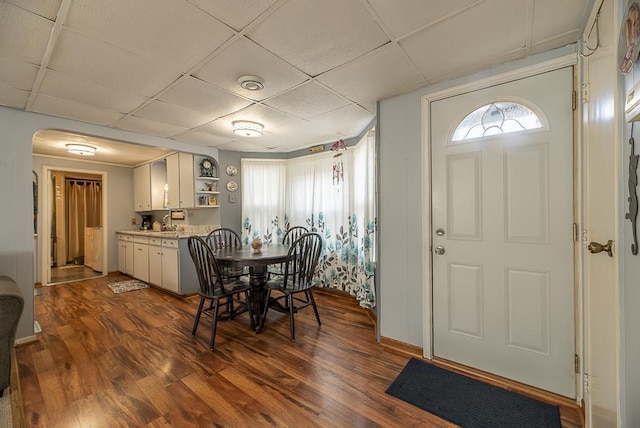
x: 245, y: 256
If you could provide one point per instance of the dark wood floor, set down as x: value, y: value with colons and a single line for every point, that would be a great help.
x: 72, y: 273
x: 129, y: 360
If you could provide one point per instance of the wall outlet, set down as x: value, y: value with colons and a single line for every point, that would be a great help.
x: 134, y: 220
x: 232, y: 199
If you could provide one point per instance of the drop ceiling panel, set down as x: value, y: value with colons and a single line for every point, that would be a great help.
x: 271, y: 119
x: 237, y: 14
x: 242, y: 146
x: 552, y: 19
x: 61, y: 85
x: 348, y: 121
x: 505, y: 31
x: 406, y: 16
x: 109, y: 66
x: 244, y: 57
x: 45, y: 8
x: 172, y: 114
x: 307, y: 100
x: 149, y: 127
x: 72, y: 110
x: 316, y: 36
x: 204, y: 98
x: 369, y: 77
x: 172, y: 32
x: 11, y: 97
x: 23, y: 35
x: 202, y: 138
x: 17, y: 74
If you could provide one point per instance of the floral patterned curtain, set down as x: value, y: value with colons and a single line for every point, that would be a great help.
x: 343, y: 213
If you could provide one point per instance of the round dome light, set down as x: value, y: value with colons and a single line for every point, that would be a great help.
x: 247, y: 128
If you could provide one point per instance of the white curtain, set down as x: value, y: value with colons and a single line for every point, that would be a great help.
x: 263, y: 199
x: 343, y: 212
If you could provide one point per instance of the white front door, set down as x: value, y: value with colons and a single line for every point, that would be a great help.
x: 503, y: 250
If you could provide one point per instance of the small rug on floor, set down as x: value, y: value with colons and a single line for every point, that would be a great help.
x: 6, y: 418
x: 124, y: 286
x: 70, y: 266
x: 469, y: 402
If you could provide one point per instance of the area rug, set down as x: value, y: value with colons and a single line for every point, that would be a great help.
x: 469, y: 402
x: 124, y: 286
x: 6, y: 418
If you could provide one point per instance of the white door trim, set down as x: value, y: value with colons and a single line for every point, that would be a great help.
x: 45, y: 242
x: 427, y: 280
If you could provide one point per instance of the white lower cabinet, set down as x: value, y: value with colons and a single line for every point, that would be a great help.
x: 141, y: 258
x: 162, y: 262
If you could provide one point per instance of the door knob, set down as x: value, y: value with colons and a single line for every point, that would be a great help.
x: 595, y: 247
x: 439, y: 250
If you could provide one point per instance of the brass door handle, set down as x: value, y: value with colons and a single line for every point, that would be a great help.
x: 595, y: 247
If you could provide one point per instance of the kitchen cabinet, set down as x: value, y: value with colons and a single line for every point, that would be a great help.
x: 125, y: 254
x: 164, y: 264
x: 93, y: 248
x: 141, y: 258
x: 180, y: 181
x: 142, y: 187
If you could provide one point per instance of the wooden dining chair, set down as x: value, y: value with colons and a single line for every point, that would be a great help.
x: 224, y: 237
x: 289, y: 237
x: 214, y: 287
x: 295, y: 286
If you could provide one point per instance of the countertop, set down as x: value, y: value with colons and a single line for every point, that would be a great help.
x: 169, y: 234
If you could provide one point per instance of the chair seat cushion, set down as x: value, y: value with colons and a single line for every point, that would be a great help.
x: 231, y: 287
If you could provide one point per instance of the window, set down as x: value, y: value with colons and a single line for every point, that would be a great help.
x: 496, y: 118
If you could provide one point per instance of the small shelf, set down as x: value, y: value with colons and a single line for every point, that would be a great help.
x: 208, y: 178
x: 207, y: 206
x: 207, y: 192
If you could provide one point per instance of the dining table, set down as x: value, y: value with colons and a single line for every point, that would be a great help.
x: 257, y: 262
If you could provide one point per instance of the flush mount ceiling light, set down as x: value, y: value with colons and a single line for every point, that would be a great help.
x: 81, y: 149
x: 251, y: 83
x: 247, y: 128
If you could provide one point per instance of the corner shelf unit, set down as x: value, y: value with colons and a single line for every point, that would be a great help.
x: 207, y: 192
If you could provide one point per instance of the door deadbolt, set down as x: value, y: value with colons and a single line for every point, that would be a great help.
x: 595, y: 248
x: 439, y: 250
x: 440, y: 232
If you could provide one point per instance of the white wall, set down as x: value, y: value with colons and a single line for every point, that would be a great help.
x: 16, y: 211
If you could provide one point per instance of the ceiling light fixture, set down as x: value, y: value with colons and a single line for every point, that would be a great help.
x: 247, y: 128
x: 251, y: 83
x: 81, y: 149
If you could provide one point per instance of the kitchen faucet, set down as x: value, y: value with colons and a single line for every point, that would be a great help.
x: 164, y: 221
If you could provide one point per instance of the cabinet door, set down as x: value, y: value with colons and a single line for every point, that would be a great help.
x: 129, y: 258
x: 173, y: 181
x: 141, y: 262
x: 187, y: 196
x: 142, y: 187
x: 155, y: 265
x: 122, y: 256
x: 170, y: 269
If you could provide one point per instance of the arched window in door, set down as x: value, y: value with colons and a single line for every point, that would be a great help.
x: 498, y: 117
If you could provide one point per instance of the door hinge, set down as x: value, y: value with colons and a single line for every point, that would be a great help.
x: 585, y: 92
x: 576, y: 363
x: 574, y: 100
x: 575, y: 232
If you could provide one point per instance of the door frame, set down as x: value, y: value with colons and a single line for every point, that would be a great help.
x: 45, y: 242
x: 482, y: 82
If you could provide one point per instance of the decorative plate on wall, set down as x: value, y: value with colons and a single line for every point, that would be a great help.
x: 629, y: 40
x: 232, y: 170
x: 232, y: 186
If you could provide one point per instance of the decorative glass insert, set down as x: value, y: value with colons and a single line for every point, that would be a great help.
x: 496, y: 118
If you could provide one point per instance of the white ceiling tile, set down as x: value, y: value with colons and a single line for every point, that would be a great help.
x: 23, y: 35
x: 204, y: 98
x: 45, y: 8
x: 237, y: 14
x: 406, y: 16
x: 12, y: 97
x: 64, y: 86
x: 172, y: 32
x: 149, y: 127
x: 316, y: 36
x: 307, y: 100
x: 76, y: 111
x: 553, y: 18
x: 202, y: 138
x: 18, y: 74
x: 499, y: 27
x: 170, y: 113
x: 348, y: 121
x: 109, y: 66
x: 244, y: 57
x: 242, y: 146
x: 548, y: 44
x: 370, y: 77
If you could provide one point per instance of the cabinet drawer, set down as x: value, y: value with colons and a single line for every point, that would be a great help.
x: 141, y: 239
x: 172, y: 243
x: 123, y: 237
x: 155, y: 241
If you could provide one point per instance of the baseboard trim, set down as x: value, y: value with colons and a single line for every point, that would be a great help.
x: 26, y: 340
x: 17, y: 409
x: 405, y: 348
